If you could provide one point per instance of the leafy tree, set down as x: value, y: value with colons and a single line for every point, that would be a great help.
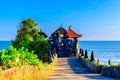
x: 26, y: 33
x: 27, y: 26
x: 40, y: 46
x: 28, y: 37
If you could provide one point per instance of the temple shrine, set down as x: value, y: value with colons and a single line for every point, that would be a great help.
x: 65, y: 42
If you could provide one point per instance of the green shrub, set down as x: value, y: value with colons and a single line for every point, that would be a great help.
x: 28, y: 37
x: 40, y: 46
x: 98, y: 62
x: 87, y: 59
x: 13, y: 57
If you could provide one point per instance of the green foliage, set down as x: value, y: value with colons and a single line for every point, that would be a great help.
x: 116, y: 65
x: 98, y: 62
x: 26, y: 48
x: 28, y: 37
x: 27, y: 26
x: 41, y: 45
x: 13, y: 57
x: 26, y: 33
x: 87, y: 59
x: 82, y: 56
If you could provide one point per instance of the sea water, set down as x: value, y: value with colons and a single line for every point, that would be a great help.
x: 103, y: 50
x: 4, y: 44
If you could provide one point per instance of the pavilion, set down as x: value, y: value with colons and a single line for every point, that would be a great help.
x: 65, y: 42
x: 75, y: 36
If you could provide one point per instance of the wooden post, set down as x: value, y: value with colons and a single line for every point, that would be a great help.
x: 76, y: 47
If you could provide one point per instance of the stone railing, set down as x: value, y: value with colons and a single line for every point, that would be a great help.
x: 105, y: 70
x: 111, y: 71
x: 90, y: 65
x: 27, y: 72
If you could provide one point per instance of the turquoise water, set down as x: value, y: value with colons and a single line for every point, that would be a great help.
x: 4, y: 44
x: 103, y: 50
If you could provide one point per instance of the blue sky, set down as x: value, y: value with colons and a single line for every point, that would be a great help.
x: 95, y: 19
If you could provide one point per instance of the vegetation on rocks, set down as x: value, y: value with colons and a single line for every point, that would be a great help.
x: 13, y: 57
x: 91, y: 59
x: 26, y: 49
x: 28, y: 37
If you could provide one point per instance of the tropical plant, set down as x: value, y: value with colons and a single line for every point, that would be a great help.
x: 28, y: 37
x: 26, y: 33
x: 13, y: 57
x: 41, y: 45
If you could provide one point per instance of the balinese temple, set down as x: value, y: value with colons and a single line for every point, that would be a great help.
x: 65, y: 42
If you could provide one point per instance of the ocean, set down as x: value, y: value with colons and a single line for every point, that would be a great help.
x: 4, y: 44
x: 103, y: 50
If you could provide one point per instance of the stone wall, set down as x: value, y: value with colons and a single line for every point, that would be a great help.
x: 111, y: 71
x: 27, y: 72
x: 91, y: 66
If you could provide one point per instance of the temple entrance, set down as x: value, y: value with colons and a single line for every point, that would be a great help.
x: 62, y: 51
x: 62, y: 44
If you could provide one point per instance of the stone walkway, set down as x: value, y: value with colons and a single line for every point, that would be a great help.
x: 72, y: 69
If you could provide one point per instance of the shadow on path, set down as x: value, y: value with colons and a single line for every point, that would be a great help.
x: 78, y: 68
x: 72, y: 69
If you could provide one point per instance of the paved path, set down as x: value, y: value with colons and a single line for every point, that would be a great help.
x: 72, y: 69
